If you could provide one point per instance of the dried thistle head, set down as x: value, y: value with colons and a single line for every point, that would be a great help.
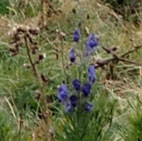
x: 18, y: 33
x: 44, y: 78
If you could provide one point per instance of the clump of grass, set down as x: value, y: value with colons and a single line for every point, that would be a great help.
x: 132, y: 129
x: 20, y: 10
x: 4, y: 4
x: 130, y: 10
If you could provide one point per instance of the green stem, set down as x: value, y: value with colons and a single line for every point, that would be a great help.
x: 63, y: 61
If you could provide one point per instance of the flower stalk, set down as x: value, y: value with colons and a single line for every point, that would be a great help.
x: 30, y: 58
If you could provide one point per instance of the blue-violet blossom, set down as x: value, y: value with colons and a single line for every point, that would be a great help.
x: 92, y: 73
x: 91, y: 44
x: 69, y: 107
x: 72, y: 55
x: 76, y: 84
x: 63, y: 93
x: 86, y: 89
x: 76, y: 35
x: 88, y: 107
x: 73, y: 100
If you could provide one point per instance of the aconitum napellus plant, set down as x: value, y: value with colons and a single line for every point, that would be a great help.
x: 72, y: 101
x: 80, y: 119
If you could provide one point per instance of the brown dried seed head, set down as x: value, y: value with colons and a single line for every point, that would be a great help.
x: 34, y: 43
x: 34, y: 31
x: 31, y: 40
x: 44, y: 78
x: 34, y: 50
x: 20, y: 29
x: 37, y: 62
x: 14, y: 29
x: 114, y: 49
x: 38, y: 94
x: 19, y: 43
x: 40, y: 57
x: 87, y: 16
x: 17, y: 38
x: 99, y: 61
x: 74, y: 11
x: 17, y: 47
x: 29, y: 37
x: 13, y: 50
x: 62, y: 34
x: 14, y: 53
x: 26, y: 65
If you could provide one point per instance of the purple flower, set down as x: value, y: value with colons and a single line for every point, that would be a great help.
x: 76, y: 84
x: 73, y: 100
x: 92, y: 74
x: 86, y: 89
x: 88, y: 107
x: 72, y: 55
x: 69, y: 107
x: 91, y: 44
x: 62, y: 93
x: 76, y: 35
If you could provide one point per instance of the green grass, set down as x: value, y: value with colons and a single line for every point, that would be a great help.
x: 4, y: 4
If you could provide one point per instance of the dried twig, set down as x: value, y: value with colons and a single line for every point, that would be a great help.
x: 117, y: 58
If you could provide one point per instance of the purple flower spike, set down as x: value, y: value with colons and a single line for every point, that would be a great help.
x: 72, y: 55
x: 88, y: 107
x: 73, y: 100
x: 92, y: 74
x: 76, y: 84
x: 86, y: 89
x: 62, y: 93
x: 76, y: 35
